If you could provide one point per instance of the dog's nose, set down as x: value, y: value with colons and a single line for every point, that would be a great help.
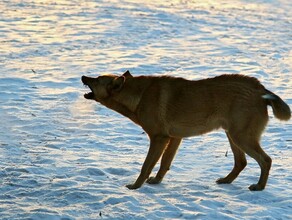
x: 84, y: 79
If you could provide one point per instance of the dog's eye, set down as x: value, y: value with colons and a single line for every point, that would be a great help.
x: 100, y: 80
x: 104, y: 80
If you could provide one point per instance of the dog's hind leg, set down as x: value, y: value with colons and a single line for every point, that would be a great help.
x: 166, y: 160
x: 250, y: 145
x: 239, y: 163
x: 157, y: 146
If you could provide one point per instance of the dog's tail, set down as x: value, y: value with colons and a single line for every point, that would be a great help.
x: 280, y: 109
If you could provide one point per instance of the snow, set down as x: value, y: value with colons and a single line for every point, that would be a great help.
x: 64, y: 157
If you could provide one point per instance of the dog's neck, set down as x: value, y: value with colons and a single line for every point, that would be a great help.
x: 120, y: 108
x: 127, y: 100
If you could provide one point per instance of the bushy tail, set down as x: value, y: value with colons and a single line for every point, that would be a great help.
x: 280, y: 109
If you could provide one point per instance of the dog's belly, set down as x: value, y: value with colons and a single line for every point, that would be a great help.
x: 183, y: 132
x: 193, y: 130
x: 197, y: 123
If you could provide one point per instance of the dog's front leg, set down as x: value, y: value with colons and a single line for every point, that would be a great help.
x: 166, y: 160
x: 157, y: 146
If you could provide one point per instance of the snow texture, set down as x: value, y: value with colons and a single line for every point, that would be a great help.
x: 64, y: 157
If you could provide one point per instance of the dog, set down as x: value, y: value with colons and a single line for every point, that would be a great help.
x: 170, y: 109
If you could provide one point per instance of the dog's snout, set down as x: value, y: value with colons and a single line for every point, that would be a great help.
x: 84, y: 79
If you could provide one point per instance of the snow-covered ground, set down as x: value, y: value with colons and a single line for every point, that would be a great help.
x: 64, y: 157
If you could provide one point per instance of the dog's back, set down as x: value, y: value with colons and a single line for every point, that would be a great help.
x: 186, y: 108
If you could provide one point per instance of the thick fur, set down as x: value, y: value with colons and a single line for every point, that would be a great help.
x: 169, y: 109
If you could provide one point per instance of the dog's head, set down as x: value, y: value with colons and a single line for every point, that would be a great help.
x: 104, y: 86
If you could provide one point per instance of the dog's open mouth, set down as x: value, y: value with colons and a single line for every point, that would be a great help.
x: 89, y: 95
x: 85, y: 80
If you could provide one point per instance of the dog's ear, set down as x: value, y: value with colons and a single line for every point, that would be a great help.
x: 117, y: 84
x: 127, y: 74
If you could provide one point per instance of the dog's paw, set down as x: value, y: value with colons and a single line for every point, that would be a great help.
x: 153, y: 180
x: 132, y: 186
x: 255, y: 187
x: 223, y: 181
